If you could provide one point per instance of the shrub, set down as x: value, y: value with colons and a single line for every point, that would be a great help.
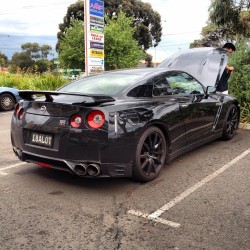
x: 239, y: 82
x: 22, y: 81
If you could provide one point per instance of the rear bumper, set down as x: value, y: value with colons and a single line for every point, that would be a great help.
x: 90, y: 169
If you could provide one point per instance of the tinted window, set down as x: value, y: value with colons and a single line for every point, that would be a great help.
x: 106, y: 84
x: 162, y: 87
x: 182, y: 83
x: 141, y: 91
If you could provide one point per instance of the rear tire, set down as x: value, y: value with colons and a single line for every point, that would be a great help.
x: 231, y: 123
x: 7, y: 102
x: 150, y: 155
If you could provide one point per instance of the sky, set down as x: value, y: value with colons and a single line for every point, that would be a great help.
x: 24, y: 21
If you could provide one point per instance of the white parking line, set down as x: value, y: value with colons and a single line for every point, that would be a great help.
x: 3, y: 173
x: 5, y: 131
x: 6, y: 113
x: 155, y: 215
x: 9, y: 167
x: 160, y: 220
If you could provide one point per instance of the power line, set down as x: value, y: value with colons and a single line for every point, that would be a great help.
x: 181, y: 33
x: 28, y: 7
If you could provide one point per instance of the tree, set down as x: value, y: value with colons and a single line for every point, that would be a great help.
x: 72, y: 49
x: 45, y: 51
x: 211, y: 37
x: 43, y: 65
x: 32, y: 57
x: 22, y: 60
x: 3, y: 60
x: 148, y: 60
x: 231, y: 17
x: 145, y: 19
x: 229, y: 20
x: 35, y: 51
x: 32, y: 49
x: 121, y: 49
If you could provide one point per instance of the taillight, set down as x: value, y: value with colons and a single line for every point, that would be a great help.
x: 19, y: 112
x: 96, y: 119
x: 76, y: 121
x: 17, y: 108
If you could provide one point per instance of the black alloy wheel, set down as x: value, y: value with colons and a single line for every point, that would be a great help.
x: 231, y: 123
x: 7, y: 102
x: 151, y: 154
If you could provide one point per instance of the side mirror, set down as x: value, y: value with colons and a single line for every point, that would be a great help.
x: 210, y: 90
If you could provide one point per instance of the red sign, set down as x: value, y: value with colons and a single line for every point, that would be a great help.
x: 97, y: 37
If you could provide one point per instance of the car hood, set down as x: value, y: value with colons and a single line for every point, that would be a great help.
x: 205, y: 64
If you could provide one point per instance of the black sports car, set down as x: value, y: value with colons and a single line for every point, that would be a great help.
x: 127, y: 123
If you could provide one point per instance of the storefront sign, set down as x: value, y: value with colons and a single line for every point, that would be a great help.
x: 94, y: 36
x: 97, y: 53
x: 95, y: 45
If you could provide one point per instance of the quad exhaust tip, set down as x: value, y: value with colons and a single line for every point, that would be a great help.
x: 91, y: 169
x: 81, y: 169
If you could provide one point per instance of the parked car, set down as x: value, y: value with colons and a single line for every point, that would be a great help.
x: 8, y: 98
x: 126, y: 123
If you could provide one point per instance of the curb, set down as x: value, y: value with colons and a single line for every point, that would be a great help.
x: 244, y: 126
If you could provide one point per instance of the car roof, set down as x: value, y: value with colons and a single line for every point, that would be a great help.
x: 138, y: 71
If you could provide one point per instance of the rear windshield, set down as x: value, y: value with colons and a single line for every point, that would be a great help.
x: 106, y: 84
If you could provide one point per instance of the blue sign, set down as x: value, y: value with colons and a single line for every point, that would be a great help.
x: 96, y: 8
x: 95, y: 45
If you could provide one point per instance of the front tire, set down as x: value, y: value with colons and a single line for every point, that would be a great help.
x: 150, y: 155
x: 231, y: 123
x: 7, y: 102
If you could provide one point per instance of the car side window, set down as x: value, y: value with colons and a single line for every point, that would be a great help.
x: 162, y: 87
x: 141, y: 91
x: 184, y: 84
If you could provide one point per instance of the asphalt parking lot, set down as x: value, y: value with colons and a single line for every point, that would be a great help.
x: 200, y: 201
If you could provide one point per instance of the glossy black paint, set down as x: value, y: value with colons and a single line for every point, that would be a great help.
x: 187, y: 120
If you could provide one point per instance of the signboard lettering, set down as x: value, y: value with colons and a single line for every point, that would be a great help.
x: 95, y: 45
x: 96, y: 8
x: 97, y: 53
x: 97, y: 29
x: 97, y: 37
x: 94, y: 36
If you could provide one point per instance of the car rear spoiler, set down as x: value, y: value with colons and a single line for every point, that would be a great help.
x: 30, y: 95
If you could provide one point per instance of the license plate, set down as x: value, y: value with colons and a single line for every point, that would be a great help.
x: 41, y: 139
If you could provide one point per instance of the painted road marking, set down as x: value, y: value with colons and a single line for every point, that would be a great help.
x: 3, y: 173
x: 155, y: 215
x: 6, y: 113
x: 160, y: 220
x: 9, y: 167
x: 5, y: 131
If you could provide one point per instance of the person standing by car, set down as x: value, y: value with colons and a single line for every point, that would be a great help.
x: 222, y: 85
